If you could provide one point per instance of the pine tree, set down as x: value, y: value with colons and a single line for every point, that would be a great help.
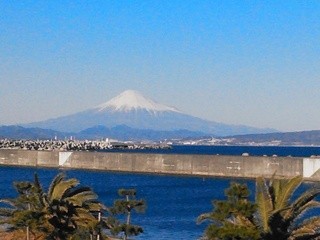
x: 232, y: 219
x: 126, y: 206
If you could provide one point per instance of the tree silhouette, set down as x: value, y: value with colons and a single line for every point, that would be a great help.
x: 232, y: 218
x: 275, y: 215
x: 279, y: 216
x: 57, y: 214
x: 126, y: 206
x: 25, y: 212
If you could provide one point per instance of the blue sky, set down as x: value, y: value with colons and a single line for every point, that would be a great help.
x: 255, y: 63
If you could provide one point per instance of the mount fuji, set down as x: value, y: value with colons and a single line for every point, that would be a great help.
x: 132, y: 109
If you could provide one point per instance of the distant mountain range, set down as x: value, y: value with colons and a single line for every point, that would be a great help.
x: 132, y: 109
x: 18, y: 132
x: 124, y: 132
x: 121, y: 132
x: 131, y: 116
x: 280, y: 138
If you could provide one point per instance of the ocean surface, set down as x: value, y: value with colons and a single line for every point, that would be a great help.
x: 173, y: 202
x: 231, y: 150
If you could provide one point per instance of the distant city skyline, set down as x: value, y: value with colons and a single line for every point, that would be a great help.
x: 255, y: 63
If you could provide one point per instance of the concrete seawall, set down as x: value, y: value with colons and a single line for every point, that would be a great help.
x: 204, y: 165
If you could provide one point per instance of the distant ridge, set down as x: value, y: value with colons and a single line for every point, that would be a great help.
x: 284, y: 138
x: 18, y: 132
x: 123, y: 132
x: 132, y: 109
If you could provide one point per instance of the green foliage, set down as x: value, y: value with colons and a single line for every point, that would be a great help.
x: 279, y: 215
x: 125, y: 207
x: 69, y: 206
x: 231, y: 231
x: 275, y: 215
x: 127, y: 230
x: 127, y: 192
x: 25, y: 210
x: 232, y: 218
x: 58, y: 214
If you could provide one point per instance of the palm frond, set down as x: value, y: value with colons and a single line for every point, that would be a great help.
x: 95, y: 207
x: 81, y: 198
x: 309, y: 228
x: 54, y: 182
x: 306, y: 197
x: 299, y: 213
x: 287, y: 188
x: 10, y: 202
x: 73, y: 191
x: 61, y: 187
x: 84, y: 218
x: 275, y: 190
x: 303, y: 203
x: 264, y: 203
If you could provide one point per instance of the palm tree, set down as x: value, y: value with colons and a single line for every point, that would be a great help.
x: 57, y: 214
x: 69, y: 207
x: 274, y: 215
x: 279, y: 216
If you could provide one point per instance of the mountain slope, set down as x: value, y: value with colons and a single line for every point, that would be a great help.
x: 283, y: 138
x: 307, y: 138
x: 124, y: 133
x: 18, y: 132
x: 121, y: 132
x: 134, y: 110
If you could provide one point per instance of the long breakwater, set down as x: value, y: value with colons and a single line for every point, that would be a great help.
x: 203, y: 165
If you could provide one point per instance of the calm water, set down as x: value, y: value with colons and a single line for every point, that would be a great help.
x: 173, y: 203
x: 234, y: 150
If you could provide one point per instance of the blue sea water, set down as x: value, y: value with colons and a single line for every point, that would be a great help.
x: 173, y: 202
x: 294, y: 151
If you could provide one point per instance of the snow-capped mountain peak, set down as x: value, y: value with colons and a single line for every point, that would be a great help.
x: 133, y: 100
x: 135, y: 111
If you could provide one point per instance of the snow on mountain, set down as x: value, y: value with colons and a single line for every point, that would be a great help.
x: 132, y: 100
x: 132, y: 109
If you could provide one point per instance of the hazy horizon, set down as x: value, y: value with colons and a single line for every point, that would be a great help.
x: 249, y: 63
